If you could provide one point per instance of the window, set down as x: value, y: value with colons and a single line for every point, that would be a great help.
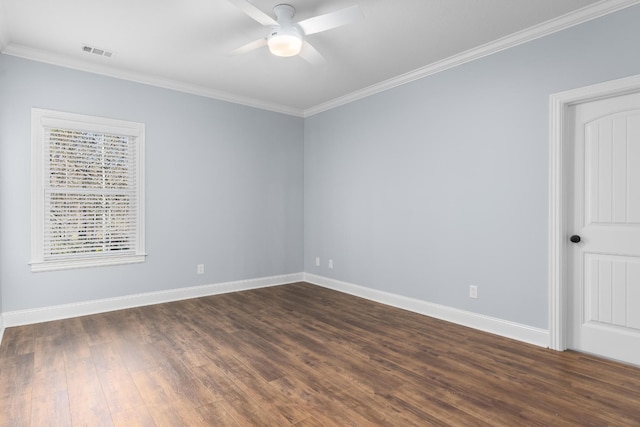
x: 87, y: 206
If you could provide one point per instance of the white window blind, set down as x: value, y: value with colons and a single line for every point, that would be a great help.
x: 88, y: 187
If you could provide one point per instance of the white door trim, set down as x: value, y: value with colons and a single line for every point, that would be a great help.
x: 558, y: 194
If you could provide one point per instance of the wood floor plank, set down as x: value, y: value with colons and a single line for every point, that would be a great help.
x: 50, y: 409
x: 50, y: 398
x: 138, y: 356
x: 15, y: 410
x: 87, y: 401
x: 321, y: 398
x: 100, y: 328
x: 251, y: 384
x: 18, y: 340
x: 120, y: 391
x: 297, y: 355
x: 16, y: 386
x: 181, y: 380
x: 166, y: 407
x: 134, y: 417
x: 16, y: 375
x: 215, y: 414
x: 238, y: 405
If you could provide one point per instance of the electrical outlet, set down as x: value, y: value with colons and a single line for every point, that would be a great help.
x: 317, y: 261
x: 200, y: 269
x: 473, y: 291
x: 330, y: 263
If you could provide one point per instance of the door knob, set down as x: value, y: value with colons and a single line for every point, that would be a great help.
x: 575, y: 238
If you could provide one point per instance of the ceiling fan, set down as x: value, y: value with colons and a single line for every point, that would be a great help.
x: 286, y: 38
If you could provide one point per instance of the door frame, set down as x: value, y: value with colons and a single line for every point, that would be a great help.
x: 560, y: 195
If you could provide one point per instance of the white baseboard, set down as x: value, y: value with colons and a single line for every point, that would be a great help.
x: 528, y: 334
x: 517, y: 331
x: 45, y: 314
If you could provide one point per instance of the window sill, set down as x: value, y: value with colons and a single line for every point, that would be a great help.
x: 85, y: 263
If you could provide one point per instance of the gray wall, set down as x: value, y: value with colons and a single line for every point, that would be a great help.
x: 224, y: 187
x: 442, y: 183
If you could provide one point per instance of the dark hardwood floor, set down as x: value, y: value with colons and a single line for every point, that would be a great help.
x: 297, y: 355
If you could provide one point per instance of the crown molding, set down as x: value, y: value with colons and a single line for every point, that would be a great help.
x: 105, y: 70
x: 546, y: 28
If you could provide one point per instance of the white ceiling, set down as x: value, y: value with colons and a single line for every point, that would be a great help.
x: 185, y: 44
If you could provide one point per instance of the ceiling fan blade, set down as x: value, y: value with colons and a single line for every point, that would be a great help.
x: 250, y: 46
x: 311, y: 55
x: 331, y: 20
x: 250, y: 9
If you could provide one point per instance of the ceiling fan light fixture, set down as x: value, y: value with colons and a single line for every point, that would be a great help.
x: 285, y: 42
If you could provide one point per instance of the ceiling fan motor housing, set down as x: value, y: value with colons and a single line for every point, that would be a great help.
x: 284, y: 40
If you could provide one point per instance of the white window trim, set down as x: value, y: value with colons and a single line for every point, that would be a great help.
x: 40, y: 119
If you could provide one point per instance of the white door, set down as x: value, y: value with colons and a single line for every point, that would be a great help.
x: 604, y: 294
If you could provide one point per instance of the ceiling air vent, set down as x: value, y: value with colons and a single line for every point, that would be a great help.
x: 97, y: 51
